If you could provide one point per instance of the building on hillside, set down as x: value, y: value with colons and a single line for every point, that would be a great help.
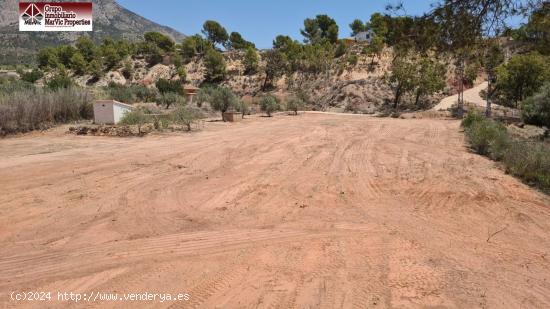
x: 110, y: 111
x: 363, y: 37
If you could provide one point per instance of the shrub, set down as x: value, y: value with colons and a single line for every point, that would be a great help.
x: 269, y: 104
x: 250, y: 61
x: 10, y: 85
x: 472, y: 117
x: 220, y: 98
x: 486, y: 136
x: 120, y: 93
x: 166, y: 85
x: 243, y: 108
x: 182, y: 74
x: 295, y: 104
x: 32, y: 76
x: 60, y: 80
x: 136, y: 117
x: 529, y: 161
x: 128, y: 69
x: 26, y: 110
x: 130, y: 94
x: 536, y: 109
x: 186, y: 115
x: 214, y: 63
x: 170, y: 98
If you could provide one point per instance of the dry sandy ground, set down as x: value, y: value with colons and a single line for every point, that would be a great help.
x: 314, y: 211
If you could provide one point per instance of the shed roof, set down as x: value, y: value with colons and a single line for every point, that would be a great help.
x: 190, y: 87
x: 113, y: 102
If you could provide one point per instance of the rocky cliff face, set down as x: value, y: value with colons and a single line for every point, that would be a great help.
x: 110, y: 20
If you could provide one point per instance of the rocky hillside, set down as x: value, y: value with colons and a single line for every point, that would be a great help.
x: 110, y: 20
x: 348, y: 86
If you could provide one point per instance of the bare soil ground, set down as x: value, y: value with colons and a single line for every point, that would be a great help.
x: 314, y: 211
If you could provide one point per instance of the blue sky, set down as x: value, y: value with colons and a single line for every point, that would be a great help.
x: 260, y: 21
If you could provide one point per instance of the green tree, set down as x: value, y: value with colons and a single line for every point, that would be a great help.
x: 341, y: 49
x: 251, y: 60
x: 430, y: 78
x: 317, y: 58
x: 167, y: 85
x: 236, y: 41
x: 168, y: 99
x: 59, y: 81
x: 319, y: 29
x: 153, y: 54
x: 295, y: 104
x: 536, y: 109
x: 275, y: 66
x: 194, y: 45
x: 243, y: 108
x: 32, y: 76
x: 494, y: 56
x: 220, y: 98
x: 162, y: 41
x: 128, y: 69
x: 375, y: 48
x: 96, y: 69
x: 214, y: 63
x: 378, y: 24
x: 357, y: 26
x: 78, y: 64
x: 47, y: 58
x: 111, y: 57
x: 522, y: 76
x: 269, y: 104
x: 402, y: 78
x: 182, y: 74
x: 135, y: 117
x: 87, y: 48
x: 186, y: 115
x: 64, y: 54
x: 215, y: 32
x: 292, y: 50
x: 538, y: 29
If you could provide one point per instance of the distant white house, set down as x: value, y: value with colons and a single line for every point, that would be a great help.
x: 363, y: 36
x: 110, y: 111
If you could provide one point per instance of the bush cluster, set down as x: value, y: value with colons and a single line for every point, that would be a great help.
x: 32, y: 109
x: 130, y: 93
x: 528, y: 160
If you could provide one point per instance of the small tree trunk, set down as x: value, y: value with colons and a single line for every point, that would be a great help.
x: 488, y: 111
x: 461, y: 100
x: 223, y: 117
x: 417, y: 98
x: 397, y: 97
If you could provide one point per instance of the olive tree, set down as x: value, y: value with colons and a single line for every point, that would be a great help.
x: 186, y: 115
x: 269, y: 104
x: 220, y: 98
x: 295, y: 104
x: 136, y: 117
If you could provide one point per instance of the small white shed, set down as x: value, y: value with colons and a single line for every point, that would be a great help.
x: 110, y: 111
x: 364, y: 36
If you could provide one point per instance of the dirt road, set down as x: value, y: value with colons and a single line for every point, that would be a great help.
x: 470, y: 96
x: 314, y: 211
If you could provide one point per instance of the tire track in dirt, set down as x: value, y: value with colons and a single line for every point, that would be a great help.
x: 43, y: 265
